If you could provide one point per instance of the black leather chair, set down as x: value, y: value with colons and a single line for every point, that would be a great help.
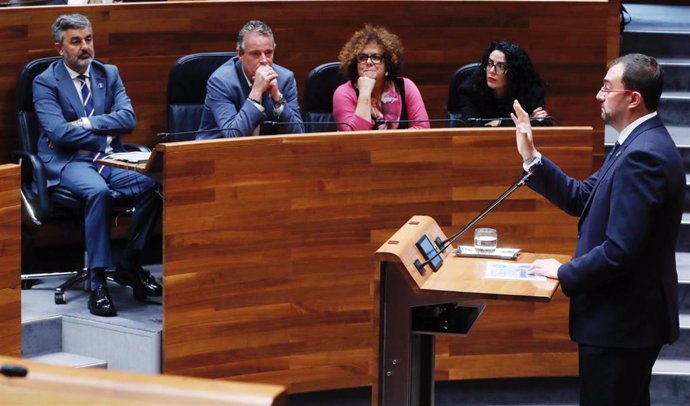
x: 461, y: 76
x: 317, y: 101
x: 187, y: 91
x: 44, y: 205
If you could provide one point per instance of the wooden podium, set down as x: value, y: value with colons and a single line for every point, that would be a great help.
x: 416, y: 304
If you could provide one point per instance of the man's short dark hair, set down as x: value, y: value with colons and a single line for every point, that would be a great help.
x: 69, y: 21
x: 643, y: 74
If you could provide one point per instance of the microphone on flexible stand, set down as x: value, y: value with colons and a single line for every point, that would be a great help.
x: 481, y: 122
x: 444, y: 244
x: 165, y: 135
x: 428, y: 120
x: 306, y: 123
x: 464, y: 122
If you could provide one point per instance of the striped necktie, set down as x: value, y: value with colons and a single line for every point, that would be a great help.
x: 88, y: 111
x: 86, y: 96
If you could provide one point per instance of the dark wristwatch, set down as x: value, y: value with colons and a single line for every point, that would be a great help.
x: 280, y: 102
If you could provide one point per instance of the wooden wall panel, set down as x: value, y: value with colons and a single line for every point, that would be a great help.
x: 269, y: 246
x: 10, y: 258
x: 569, y: 43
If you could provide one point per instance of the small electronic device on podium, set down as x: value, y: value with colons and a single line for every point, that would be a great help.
x: 417, y: 305
x: 430, y: 254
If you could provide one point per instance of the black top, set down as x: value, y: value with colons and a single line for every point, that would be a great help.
x: 477, y: 110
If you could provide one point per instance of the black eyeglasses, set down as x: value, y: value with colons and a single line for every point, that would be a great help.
x: 500, y: 67
x: 375, y: 58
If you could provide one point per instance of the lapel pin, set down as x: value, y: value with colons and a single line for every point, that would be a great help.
x: 100, y: 85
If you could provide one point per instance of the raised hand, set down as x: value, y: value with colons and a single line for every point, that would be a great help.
x: 523, y: 132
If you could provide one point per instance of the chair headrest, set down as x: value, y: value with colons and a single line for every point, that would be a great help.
x: 189, y: 74
x: 25, y: 80
x: 461, y: 76
x: 321, y: 84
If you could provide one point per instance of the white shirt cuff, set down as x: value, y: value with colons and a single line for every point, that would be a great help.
x: 536, y: 160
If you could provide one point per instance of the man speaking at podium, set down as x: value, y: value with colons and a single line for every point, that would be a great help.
x: 622, y: 280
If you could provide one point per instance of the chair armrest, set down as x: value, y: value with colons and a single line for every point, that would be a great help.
x: 136, y: 147
x: 34, y: 182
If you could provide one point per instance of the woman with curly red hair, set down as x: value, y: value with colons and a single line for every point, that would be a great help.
x: 375, y: 97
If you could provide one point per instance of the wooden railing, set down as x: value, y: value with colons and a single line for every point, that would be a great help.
x: 51, y: 384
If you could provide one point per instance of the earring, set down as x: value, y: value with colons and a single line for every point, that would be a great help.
x: 385, y: 74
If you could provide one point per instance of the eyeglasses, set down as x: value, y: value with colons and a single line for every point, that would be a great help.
x: 604, y: 89
x: 375, y: 58
x: 500, y: 67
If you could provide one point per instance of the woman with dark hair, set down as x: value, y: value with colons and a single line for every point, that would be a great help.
x: 507, y: 74
x: 375, y: 97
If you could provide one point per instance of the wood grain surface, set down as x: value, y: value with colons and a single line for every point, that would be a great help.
x: 52, y: 384
x: 568, y: 41
x: 10, y: 261
x: 269, y: 243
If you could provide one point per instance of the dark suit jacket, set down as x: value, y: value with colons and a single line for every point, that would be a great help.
x: 227, y: 106
x: 622, y: 282
x: 57, y: 103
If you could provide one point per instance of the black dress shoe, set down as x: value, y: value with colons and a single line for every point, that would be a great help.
x: 140, y: 280
x: 100, y: 302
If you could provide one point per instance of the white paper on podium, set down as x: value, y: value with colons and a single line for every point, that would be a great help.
x: 509, y: 270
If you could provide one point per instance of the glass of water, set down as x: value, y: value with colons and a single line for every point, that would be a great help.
x: 485, y: 240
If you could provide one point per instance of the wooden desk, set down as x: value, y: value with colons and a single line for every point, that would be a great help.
x: 50, y: 384
x: 268, y: 245
x: 10, y: 259
x: 409, y: 316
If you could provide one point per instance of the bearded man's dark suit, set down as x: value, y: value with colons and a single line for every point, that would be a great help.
x: 622, y: 281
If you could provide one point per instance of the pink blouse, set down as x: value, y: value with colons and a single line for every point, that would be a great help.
x: 345, y: 103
